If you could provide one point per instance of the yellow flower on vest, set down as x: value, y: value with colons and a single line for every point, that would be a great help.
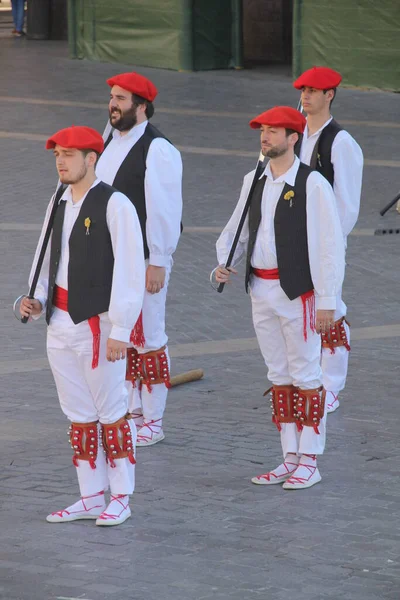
x: 289, y: 196
x: 87, y: 225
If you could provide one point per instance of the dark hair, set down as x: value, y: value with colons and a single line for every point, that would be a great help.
x: 334, y: 94
x: 136, y: 100
x: 290, y: 131
x: 86, y: 151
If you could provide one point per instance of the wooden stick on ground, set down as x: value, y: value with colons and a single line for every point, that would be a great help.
x: 186, y: 377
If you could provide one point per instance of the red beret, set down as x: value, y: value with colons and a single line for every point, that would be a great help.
x: 320, y: 78
x: 82, y: 138
x: 136, y: 84
x: 280, y: 116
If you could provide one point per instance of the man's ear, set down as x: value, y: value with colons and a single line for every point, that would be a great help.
x: 294, y: 137
x: 330, y: 94
x: 92, y: 158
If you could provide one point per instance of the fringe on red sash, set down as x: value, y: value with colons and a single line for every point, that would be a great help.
x: 94, y: 324
x: 137, y: 334
x: 60, y: 300
x: 308, y: 300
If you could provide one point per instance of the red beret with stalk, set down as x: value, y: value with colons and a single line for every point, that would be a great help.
x: 320, y: 78
x: 280, y: 116
x: 80, y: 137
x: 136, y: 84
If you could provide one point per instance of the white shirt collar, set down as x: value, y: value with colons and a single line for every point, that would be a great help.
x: 305, y: 134
x: 67, y: 195
x: 289, y: 177
x: 136, y: 130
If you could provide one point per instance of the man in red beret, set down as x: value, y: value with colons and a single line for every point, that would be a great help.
x: 332, y: 151
x: 91, y: 288
x: 140, y: 162
x: 294, y: 267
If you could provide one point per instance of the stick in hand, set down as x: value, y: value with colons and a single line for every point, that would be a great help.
x: 259, y: 168
x: 388, y: 206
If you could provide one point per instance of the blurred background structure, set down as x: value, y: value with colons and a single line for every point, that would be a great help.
x: 358, y: 38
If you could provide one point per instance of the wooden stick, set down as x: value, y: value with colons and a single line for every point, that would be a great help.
x: 186, y: 377
x: 259, y: 168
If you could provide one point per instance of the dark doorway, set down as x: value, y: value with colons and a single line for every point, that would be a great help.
x: 267, y: 32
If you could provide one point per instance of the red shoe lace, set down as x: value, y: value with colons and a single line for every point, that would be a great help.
x: 311, y: 469
x: 335, y: 399
x: 60, y: 513
x: 267, y: 476
x: 117, y: 498
x: 149, y: 426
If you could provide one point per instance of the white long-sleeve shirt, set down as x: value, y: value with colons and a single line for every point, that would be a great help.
x: 128, y: 282
x: 162, y: 185
x: 347, y: 159
x: 324, y: 236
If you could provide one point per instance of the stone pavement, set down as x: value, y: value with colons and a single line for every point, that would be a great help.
x: 199, y: 529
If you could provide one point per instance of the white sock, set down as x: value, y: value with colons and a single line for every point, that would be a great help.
x: 290, y: 464
x: 118, y: 503
x: 307, y: 466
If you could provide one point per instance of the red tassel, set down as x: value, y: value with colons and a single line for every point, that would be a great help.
x: 308, y: 300
x: 75, y: 461
x: 131, y: 458
x: 299, y: 426
x: 92, y: 463
x: 277, y: 423
x: 61, y: 301
x: 137, y: 334
x: 94, y: 324
x: 96, y: 351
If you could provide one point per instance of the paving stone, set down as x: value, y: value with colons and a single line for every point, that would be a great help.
x: 199, y: 528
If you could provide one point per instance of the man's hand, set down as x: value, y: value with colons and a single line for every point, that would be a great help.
x: 222, y: 274
x: 155, y: 279
x: 324, y: 320
x: 30, y: 307
x: 116, y: 350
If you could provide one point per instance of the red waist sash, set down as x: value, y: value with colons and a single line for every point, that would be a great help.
x: 60, y: 300
x: 266, y: 273
x: 308, y: 299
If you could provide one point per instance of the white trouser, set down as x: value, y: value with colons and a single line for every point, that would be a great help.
x: 152, y: 404
x: 334, y: 366
x: 88, y: 395
x: 290, y: 359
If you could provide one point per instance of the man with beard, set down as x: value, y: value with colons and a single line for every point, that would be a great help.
x: 91, y: 288
x: 332, y: 151
x: 294, y: 264
x: 141, y: 163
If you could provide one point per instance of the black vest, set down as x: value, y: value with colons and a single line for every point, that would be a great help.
x: 290, y: 224
x: 321, y: 155
x: 91, y: 257
x: 130, y: 176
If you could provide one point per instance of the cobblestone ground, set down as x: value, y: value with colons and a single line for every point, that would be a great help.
x: 199, y: 529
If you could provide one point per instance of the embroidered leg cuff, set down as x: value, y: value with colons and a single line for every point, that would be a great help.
x: 133, y: 366
x: 336, y: 337
x: 149, y: 368
x: 117, y: 440
x: 283, y: 404
x: 310, y: 408
x: 84, y: 440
